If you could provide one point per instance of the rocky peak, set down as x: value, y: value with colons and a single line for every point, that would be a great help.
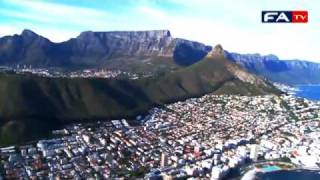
x: 271, y: 57
x: 30, y: 37
x: 28, y: 34
x: 216, y: 51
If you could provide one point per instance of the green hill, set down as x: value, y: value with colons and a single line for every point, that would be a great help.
x: 30, y: 106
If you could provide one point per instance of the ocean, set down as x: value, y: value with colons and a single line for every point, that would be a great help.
x: 311, y: 92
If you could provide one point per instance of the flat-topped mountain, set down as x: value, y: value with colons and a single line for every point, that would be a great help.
x: 123, y: 43
x: 98, y: 49
x: 141, y: 52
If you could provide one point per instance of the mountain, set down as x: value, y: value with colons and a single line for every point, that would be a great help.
x: 100, y: 49
x: 141, y: 52
x: 291, y: 72
x: 32, y: 106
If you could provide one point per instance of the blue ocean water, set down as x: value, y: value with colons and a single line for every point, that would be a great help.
x: 290, y: 175
x: 311, y: 92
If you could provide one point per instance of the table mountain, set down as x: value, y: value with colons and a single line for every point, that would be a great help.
x: 151, y: 52
x: 98, y: 49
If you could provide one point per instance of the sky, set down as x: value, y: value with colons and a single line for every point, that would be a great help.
x: 235, y: 24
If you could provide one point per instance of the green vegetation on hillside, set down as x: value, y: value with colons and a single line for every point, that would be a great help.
x: 33, y: 106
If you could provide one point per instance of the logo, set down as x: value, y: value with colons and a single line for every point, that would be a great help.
x: 284, y: 16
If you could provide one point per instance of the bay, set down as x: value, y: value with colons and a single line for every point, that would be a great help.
x: 311, y: 92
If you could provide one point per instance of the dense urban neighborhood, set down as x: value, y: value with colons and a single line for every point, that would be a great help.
x: 159, y: 90
x: 61, y: 73
x: 204, y: 137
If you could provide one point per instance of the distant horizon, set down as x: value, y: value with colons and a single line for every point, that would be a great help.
x: 212, y: 45
x: 234, y: 24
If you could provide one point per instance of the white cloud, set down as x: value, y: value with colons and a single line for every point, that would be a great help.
x: 152, y: 12
x: 288, y: 41
x: 29, y: 16
x: 46, y: 12
x: 296, y: 44
x: 54, y: 9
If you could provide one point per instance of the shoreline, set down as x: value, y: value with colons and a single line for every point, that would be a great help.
x: 298, y: 91
x: 309, y: 92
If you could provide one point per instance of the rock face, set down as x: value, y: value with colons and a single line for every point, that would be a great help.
x: 131, y: 49
x: 27, y: 47
x: 290, y: 72
x: 32, y: 106
x: 95, y: 48
x: 237, y: 71
x: 142, y: 43
x: 216, y: 51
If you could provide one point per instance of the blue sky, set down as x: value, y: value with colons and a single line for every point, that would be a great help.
x: 236, y: 24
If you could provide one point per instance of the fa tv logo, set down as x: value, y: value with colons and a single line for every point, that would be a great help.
x: 284, y: 16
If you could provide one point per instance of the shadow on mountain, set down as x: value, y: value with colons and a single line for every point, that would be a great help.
x: 31, y: 106
x: 185, y: 54
x: 276, y: 66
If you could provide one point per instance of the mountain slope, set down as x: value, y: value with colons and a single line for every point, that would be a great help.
x: 99, y: 49
x: 141, y: 52
x: 32, y: 106
x: 291, y: 72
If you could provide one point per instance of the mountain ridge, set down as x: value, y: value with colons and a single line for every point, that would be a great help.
x: 32, y: 106
x: 290, y: 72
x: 97, y: 48
x: 154, y: 52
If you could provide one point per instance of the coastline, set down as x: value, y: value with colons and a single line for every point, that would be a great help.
x: 306, y: 91
x: 310, y: 92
